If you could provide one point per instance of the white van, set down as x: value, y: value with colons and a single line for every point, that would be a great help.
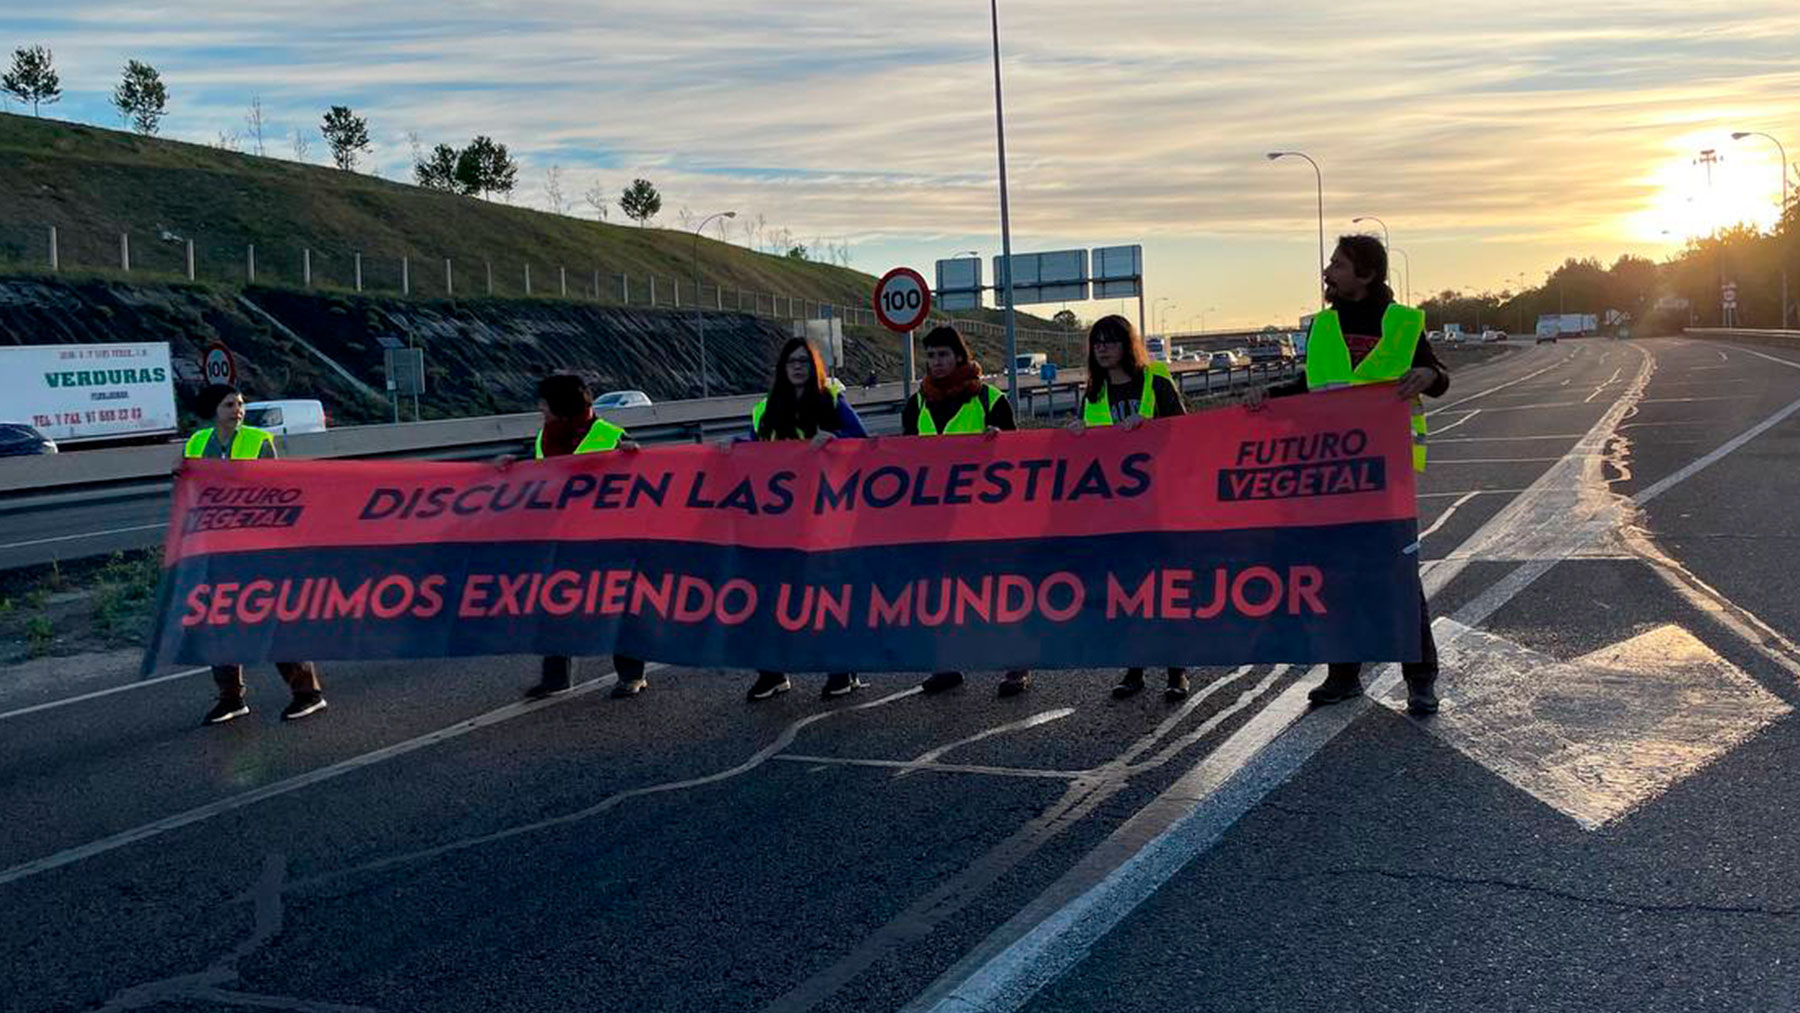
x: 1030, y: 362
x: 287, y: 418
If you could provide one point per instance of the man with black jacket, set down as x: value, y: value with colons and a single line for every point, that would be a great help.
x: 1356, y: 287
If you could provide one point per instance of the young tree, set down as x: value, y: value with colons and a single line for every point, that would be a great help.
x: 597, y: 199
x: 685, y: 219
x: 485, y: 167
x: 302, y: 146
x: 438, y: 170
x: 32, y: 78
x: 255, y: 121
x: 640, y: 201
x: 347, y: 134
x: 553, y: 189
x: 141, y: 97
x: 229, y: 140
x: 1066, y: 319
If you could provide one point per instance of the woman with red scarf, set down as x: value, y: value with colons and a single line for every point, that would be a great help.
x: 953, y: 400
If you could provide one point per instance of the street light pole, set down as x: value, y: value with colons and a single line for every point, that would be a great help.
x: 1404, y: 259
x: 1388, y: 241
x: 1781, y: 211
x: 699, y: 317
x: 1006, y: 295
x: 1319, y: 180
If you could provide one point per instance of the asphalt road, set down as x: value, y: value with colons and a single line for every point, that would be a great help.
x: 1600, y: 819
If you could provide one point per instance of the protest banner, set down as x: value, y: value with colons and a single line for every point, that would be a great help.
x: 1225, y: 537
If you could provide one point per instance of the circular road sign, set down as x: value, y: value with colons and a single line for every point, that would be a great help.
x: 902, y: 299
x: 218, y: 365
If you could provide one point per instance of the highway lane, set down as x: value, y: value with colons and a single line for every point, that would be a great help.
x: 685, y: 851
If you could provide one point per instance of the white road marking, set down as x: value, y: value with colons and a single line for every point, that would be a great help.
x: 1446, y: 515
x: 610, y: 802
x: 84, y: 534
x: 1598, y: 736
x: 355, y: 763
x: 1609, y: 382
x: 904, y: 767
x: 1464, y: 492
x: 1723, y: 357
x: 1458, y: 422
x: 1505, y: 439
x: 931, y: 756
x: 96, y: 694
x: 1498, y: 387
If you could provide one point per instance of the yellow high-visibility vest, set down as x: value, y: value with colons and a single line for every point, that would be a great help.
x: 601, y: 437
x: 246, y: 443
x: 970, y: 418
x: 833, y: 387
x: 1328, y: 361
x: 1098, y: 412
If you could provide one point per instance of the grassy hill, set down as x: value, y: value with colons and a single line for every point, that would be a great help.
x: 92, y: 184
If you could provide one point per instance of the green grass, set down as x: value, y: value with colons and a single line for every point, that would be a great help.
x: 92, y: 184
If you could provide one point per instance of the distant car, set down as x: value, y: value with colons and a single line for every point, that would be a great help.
x: 1029, y: 362
x: 1240, y: 356
x: 1493, y: 335
x: 1221, y: 360
x: 1434, y: 335
x: 287, y: 418
x: 623, y: 399
x: 1546, y: 338
x: 20, y: 440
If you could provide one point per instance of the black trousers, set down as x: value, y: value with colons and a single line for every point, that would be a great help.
x: 1425, y: 668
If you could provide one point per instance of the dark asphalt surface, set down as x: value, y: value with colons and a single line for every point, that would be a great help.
x: 685, y: 851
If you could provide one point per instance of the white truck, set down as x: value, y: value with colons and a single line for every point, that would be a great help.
x: 78, y: 393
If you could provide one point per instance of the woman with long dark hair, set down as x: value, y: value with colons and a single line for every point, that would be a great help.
x: 803, y: 404
x: 1125, y: 389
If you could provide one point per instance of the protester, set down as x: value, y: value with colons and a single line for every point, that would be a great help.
x: 1367, y: 337
x: 1125, y: 389
x: 953, y: 400
x: 229, y: 439
x: 570, y: 427
x: 803, y: 404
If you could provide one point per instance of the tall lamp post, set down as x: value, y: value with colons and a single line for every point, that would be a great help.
x: 1388, y: 241
x: 1203, y: 313
x: 1162, y: 314
x: 1319, y: 179
x: 699, y: 317
x: 1006, y: 293
x: 1781, y: 211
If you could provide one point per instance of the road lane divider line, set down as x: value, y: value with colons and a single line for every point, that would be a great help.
x: 84, y: 534
x: 1458, y: 422
x: 1498, y: 387
x: 200, y: 814
x: 613, y: 801
x: 931, y: 756
x: 902, y: 767
x: 96, y: 694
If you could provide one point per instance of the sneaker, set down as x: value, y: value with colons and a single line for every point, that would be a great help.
x: 1421, y: 696
x: 937, y: 682
x: 1014, y: 683
x: 769, y: 684
x: 1131, y: 685
x: 226, y: 710
x: 546, y: 690
x: 840, y: 684
x: 1335, y: 689
x: 629, y: 687
x: 1178, y: 687
x: 302, y: 705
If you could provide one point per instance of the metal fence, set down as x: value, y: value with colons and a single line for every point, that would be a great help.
x: 168, y: 255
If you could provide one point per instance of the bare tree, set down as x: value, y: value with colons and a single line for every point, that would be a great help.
x: 762, y: 226
x: 302, y: 146
x: 597, y: 199
x: 685, y: 219
x: 255, y: 122
x: 229, y: 140
x: 553, y: 189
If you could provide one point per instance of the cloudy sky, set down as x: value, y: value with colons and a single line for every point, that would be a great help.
x: 1494, y: 138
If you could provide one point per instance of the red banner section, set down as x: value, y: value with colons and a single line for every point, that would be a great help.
x: 1223, y: 537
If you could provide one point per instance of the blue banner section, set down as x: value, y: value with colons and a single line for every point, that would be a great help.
x: 1345, y: 592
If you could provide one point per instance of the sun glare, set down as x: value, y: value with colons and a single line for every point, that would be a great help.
x: 1695, y: 194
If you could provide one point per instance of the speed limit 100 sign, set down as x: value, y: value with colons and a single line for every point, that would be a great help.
x: 218, y: 364
x: 902, y: 299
